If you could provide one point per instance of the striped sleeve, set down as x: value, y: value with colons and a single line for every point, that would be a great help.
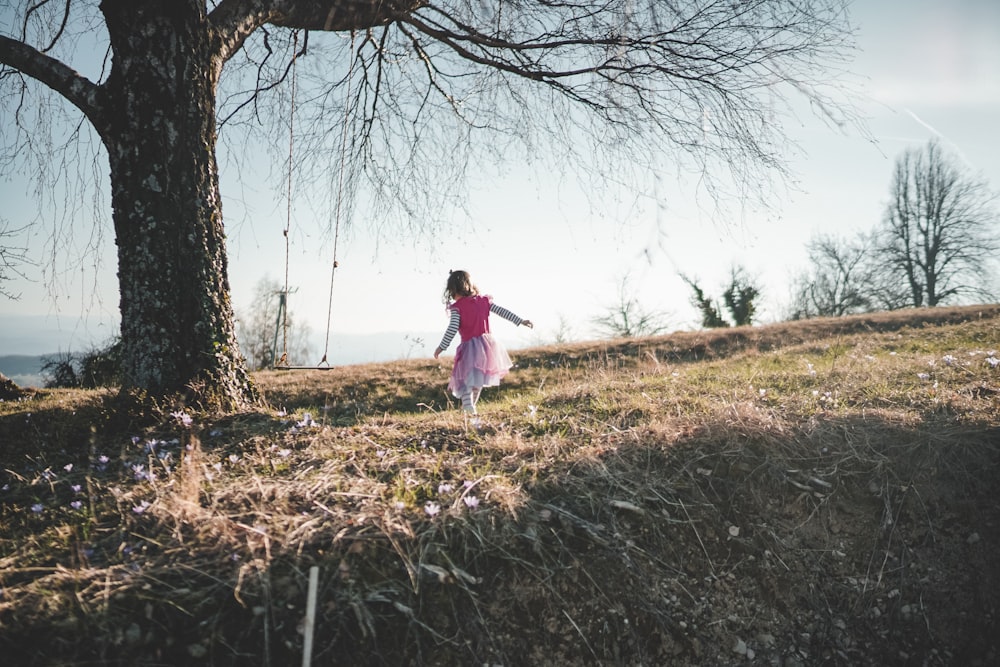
x: 506, y: 314
x: 452, y: 330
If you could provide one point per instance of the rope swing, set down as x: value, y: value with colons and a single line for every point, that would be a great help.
x: 282, y: 322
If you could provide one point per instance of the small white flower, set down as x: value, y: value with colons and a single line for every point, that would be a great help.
x: 141, y: 507
x: 445, y: 488
x: 471, y: 501
x: 948, y: 359
x: 37, y: 508
x: 307, y: 422
x: 183, y: 417
x: 76, y: 504
x: 993, y: 361
x: 399, y: 505
x: 76, y: 488
x: 68, y: 467
x: 284, y: 453
x: 432, y: 509
x: 923, y: 376
x: 468, y: 484
x: 233, y: 458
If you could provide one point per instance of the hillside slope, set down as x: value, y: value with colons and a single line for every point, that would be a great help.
x: 815, y: 493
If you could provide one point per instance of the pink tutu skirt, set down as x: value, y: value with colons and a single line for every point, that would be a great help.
x: 479, y: 362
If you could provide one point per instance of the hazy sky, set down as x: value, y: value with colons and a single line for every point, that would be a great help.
x: 929, y: 68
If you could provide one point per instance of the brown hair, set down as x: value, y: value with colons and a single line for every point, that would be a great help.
x: 459, y: 284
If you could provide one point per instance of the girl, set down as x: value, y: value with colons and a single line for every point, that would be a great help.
x: 480, y: 360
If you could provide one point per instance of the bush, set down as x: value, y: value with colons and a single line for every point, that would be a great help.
x: 97, y: 368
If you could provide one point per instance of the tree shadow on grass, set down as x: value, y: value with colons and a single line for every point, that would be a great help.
x: 851, y: 541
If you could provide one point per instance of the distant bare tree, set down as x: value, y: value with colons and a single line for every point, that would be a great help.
x: 628, y: 318
x: 886, y: 290
x: 840, y: 280
x: 264, y: 334
x: 939, y: 233
x: 564, y: 331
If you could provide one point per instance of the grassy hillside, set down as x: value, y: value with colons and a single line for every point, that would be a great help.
x: 815, y: 493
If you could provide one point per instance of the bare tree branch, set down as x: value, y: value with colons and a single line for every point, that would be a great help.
x: 53, y: 73
x: 628, y: 318
x: 10, y: 258
x: 841, y: 279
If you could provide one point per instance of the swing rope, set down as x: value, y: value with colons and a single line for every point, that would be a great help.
x: 340, y: 195
x: 283, y: 302
x: 323, y: 364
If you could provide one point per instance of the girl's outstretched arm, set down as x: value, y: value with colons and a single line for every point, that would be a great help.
x: 449, y: 334
x: 507, y: 315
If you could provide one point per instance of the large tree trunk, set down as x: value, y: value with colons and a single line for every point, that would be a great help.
x: 177, y: 320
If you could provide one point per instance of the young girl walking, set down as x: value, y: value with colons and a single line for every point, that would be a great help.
x: 480, y: 360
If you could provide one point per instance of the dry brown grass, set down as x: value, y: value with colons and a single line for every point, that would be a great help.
x: 789, y: 494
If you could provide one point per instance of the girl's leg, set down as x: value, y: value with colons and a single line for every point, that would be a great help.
x: 476, y: 391
x: 468, y: 403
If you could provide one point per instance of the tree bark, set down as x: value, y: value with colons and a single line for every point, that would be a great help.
x: 177, y: 330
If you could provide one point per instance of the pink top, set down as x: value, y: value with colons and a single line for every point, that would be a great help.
x: 475, y: 313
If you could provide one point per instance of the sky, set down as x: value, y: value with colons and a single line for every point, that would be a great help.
x: 927, y: 69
